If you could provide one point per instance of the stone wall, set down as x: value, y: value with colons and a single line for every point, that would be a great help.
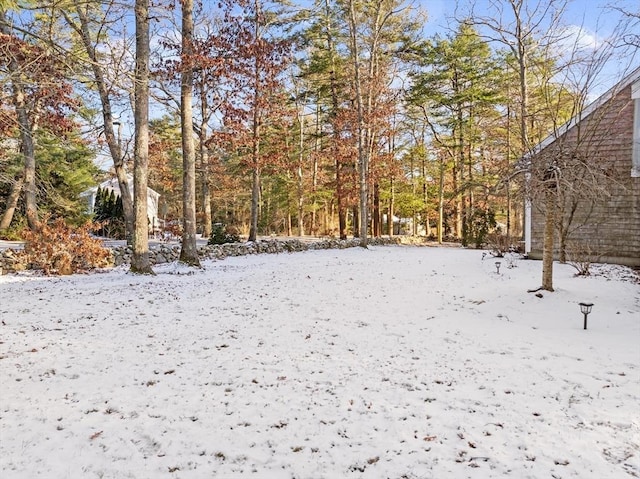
x: 10, y: 259
x: 167, y: 254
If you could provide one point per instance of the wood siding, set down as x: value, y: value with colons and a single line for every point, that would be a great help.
x: 608, y: 225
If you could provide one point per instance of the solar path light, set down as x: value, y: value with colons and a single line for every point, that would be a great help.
x: 586, y: 309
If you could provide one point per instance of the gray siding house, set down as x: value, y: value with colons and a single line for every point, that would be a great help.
x: 599, y: 203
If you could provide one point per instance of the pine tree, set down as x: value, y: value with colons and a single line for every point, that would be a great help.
x: 97, y: 205
x: 458, y: 92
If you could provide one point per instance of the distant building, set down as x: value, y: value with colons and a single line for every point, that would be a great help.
x: 610, y: 223
x: 112, y: 185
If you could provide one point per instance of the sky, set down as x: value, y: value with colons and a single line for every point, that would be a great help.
x: 595, y: 15
x: 593, y: 21
x: 396, y: 361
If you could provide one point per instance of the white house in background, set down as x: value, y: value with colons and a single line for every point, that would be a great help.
x: 112, y: 185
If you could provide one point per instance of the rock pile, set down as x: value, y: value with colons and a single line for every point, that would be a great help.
x: 10, y: 261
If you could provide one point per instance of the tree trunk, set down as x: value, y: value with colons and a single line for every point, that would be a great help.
x: 509, y: 212
x: 314, y: 180
x: 300, y: 177
x: 441, y: 201
x: 376, y: 210
x: 255, y: 196
x: 356, y: 222
x: 12, y: 203
x: 333, y: 81
x: 342, y: 210
x: 391, y: 207
x: 457, y: 203
x: 189, y: 248
x: 301, y: 231
x: 470, y: 197
x: 363, y: 163
x: 115, y: 147
x: 462, y: 212
x: 29, y: 153
x: 204, y: 166
x: 549, y: 231
x: 206, y: 204
x: 425, y: 195
x: 256, y: 131
x: 140, y: 261
x: 26, y: 134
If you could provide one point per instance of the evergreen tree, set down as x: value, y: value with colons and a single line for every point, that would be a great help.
x: 108, y: 211
x: 458, y: 91
x: 98, y: 206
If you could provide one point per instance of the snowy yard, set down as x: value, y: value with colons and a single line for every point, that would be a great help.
x: 392, y: 362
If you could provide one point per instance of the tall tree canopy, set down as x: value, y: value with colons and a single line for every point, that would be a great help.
x: 333, y: 117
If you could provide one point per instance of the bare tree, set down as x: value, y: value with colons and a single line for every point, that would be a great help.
x: 300, y: 104
x: 567, y: 172
x: 631, y: 22
x: 82, y: 24
x: 363, y: 158
x: 373, y: 27
x: 528, y: 30
x: 570, y: 173
x: 525, y: 28
x: 330, y: 46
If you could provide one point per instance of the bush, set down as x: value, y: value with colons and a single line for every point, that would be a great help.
x: 221, y: 235
x: 56, y: 248
x: 580, y: 256
x: 499, y: 244
x: 13, y: 233
x: 172, y: 230
x: 476, y: 230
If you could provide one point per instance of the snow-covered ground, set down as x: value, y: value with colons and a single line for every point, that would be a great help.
x: 392, y: 362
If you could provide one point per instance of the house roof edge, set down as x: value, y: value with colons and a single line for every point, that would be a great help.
x: 629, y: 79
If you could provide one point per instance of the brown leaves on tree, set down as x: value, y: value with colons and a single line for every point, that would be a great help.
x: 43, y: 76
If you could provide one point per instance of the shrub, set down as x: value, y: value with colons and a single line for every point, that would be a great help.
x: 221, y: 235
x: 499, y: 244
x: 172, y: 230
x: 12, y: 233
x: 56, y: 248
x: 580, y: 256
x: 476, y: 230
